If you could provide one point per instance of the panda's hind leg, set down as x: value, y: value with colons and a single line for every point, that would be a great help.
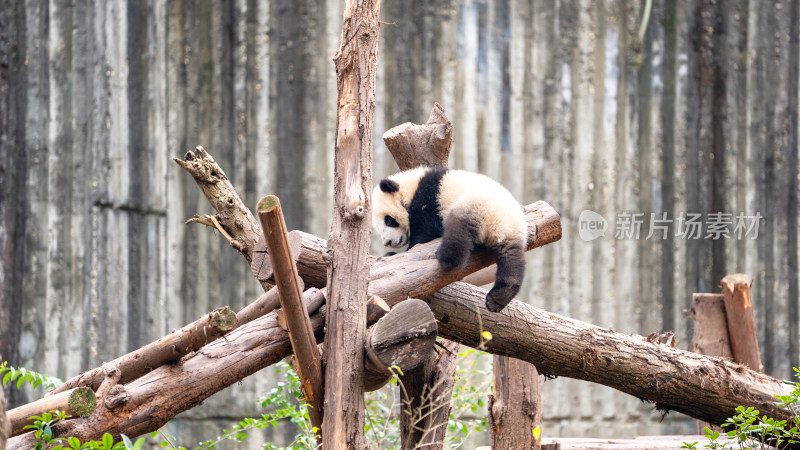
x: 458, y: 240
x: 510, y: 258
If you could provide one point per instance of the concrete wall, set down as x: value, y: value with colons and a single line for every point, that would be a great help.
x: 561, y: 101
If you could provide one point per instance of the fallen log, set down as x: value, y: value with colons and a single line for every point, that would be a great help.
x: 78, y: 402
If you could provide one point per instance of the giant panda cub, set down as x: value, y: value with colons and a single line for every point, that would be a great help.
x: 466, y: 210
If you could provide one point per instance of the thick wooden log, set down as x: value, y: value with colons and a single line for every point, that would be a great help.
x: 515, y: 408
x: 700, y: 386
x: 165, y: 350
x: 741, y: 321
x: 425, y: 144
x: 401, y: 338
x: 77, y: 402
x: 266, y: 303
x: 301, y: 335
x: 356, y: 64
x: 426, y: 398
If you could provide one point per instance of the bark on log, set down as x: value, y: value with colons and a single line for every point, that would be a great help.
x: 425, y: 144
x: 426, y: 398
x: 232, y: 214
x: 700, y: 386
x: 165, y: 350
x: 741, y: 321
x: 515, y: 409
x: 301, y: 335
x: 78, y: 402
x: 376, y: 308
x: 401, y: 338
x: 356, y: 66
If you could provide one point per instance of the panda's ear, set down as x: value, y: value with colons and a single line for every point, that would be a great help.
x: 389, y: 186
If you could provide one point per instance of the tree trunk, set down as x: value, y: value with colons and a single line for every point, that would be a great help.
x: 348, y: 273
x: 515, y: 409
x: 426, y: 398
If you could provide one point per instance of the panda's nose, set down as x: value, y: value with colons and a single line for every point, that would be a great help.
x: 389, y: 243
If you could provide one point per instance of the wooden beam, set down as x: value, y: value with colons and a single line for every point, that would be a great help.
x: 741, y: 321
x: 77, y: 402
x: 301, y: 335
x: 165, y: 350
x: 356, y: 66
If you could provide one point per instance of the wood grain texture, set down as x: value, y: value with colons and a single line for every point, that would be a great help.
x: 515, y: 405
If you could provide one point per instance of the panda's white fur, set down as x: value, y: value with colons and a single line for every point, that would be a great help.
x: 466, y: 209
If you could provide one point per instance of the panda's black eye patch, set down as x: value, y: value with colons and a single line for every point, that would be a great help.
x: 390, y: 222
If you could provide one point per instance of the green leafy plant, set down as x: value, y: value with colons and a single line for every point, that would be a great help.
x: 43, y: 431
x: 749, y: 429
x: 22, y: 375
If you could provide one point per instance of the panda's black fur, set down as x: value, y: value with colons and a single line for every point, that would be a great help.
x: 418, y: 209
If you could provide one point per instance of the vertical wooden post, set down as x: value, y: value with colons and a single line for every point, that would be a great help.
x: 515, y: 409
x: 301, y: 335
x: 741, y: 321
x: 710, y: 336
x: 348, y: 274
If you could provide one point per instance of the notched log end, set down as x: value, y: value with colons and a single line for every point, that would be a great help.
x: 201, y: 166
x: 82, y: 401
x: 224, y: 319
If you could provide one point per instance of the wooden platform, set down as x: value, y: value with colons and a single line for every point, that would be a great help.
x: 639, y: 443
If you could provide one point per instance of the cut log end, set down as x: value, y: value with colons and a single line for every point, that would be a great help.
x: 402, y: 338
x: 82, y: 401
x: 268, y: 204
x: 224, y: 319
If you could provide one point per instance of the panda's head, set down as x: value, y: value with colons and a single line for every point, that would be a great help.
x: 389, y: 214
